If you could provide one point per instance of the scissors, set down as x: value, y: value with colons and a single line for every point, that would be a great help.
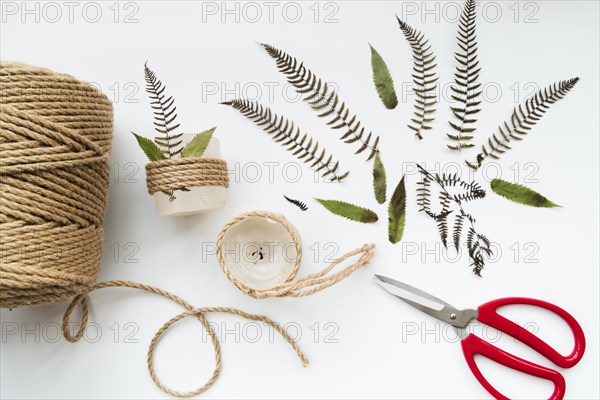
x: 487, y: 314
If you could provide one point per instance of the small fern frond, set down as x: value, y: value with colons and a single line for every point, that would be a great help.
x: 478, y: 246
x: 523, y: 119
x: 302, y: 206
x: 424, y: 79
x: 284, y: 132
x: 457, y: 230
x: 466, y: 90
x: 165, y: 115
x: 325, y: 101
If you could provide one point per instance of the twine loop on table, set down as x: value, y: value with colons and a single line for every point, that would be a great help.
x: 185, y: 172
x: 55, y: 139
x: 293, y: 287
x: 198, y: 313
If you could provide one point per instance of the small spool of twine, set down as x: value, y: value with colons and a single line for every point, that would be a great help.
x: 55, y: 139
x: 186, y: 172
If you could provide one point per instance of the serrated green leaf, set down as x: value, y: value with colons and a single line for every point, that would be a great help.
x: 520, y: 194
x: 383, y: 80
x: 150, y: 148
x: 379, y: 180
x: 350, y: 211
x: 197, y: 146
x: 397, y: 213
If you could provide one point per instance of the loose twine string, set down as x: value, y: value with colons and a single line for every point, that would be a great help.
x: 199, y: 313
x: 185, y: 172
x: 55, y: 138
x: 292, y: 287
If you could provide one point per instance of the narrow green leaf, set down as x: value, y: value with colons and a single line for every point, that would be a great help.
x: 379, y: 181
x: 383, y: 80
x: 150, y: 148
x: 350, y: 211
x: 520, y: 194
x: 197, y: 146
x: 397, y: 213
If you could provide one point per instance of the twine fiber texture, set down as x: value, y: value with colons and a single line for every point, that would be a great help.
x: 198, y: 313
x: 177, y: 173
x: 293, y: 287
x: 55, y: 139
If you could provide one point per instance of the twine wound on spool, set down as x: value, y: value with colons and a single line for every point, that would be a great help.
x: 199, y: 313
x: 292, y: 287
x: 177, y: 173
x: 55, y: 139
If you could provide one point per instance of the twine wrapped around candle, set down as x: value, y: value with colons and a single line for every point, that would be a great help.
x: 290, y: 286
x: 177, y: 173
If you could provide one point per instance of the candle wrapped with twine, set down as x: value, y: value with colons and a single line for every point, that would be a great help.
x: 260, y: 253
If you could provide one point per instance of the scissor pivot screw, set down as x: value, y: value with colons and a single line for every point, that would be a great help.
x: 453, y: 316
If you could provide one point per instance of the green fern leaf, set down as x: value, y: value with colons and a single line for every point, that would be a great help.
x: 397, y: 213
x: 384, y: 84
x: 150, y: 148
x: 379, y: 180
x: 520, y: 194
x: 197, y: 146
x: 350, y: 211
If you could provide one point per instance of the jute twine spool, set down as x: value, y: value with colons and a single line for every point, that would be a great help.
x: 55, y: 139
x: 293, y: 287
x: 176, y: 173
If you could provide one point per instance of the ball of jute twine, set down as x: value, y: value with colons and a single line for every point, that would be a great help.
x: 55, y: 139
x: 198, y: 313
x: 185, y: 172
x: 293, y: 287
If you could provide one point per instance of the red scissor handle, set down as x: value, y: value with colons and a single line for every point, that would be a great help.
x: 488, y: 315
x: 472, y: 345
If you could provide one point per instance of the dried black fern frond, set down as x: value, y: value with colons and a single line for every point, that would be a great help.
x: 457, y: 230
x: 524, y: 117
x: 324, y: 99
x: 283, y: 131
x: 164, y: 115
x: 424, y: 78
x: 465, y: 89
x: 478, y: 246
x: 297, y: 203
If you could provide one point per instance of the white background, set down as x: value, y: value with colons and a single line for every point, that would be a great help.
x: 550, y: 254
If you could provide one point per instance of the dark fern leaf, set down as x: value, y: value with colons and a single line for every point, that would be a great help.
x: 325, y: 100
x: 297, y: 203
x: 457, y: 230
x: 424, y: 79
x: 523, y: 119
x: 165, y: 115
x: 466, y: 90
x: 284, y: 132
x: 478, y: 246
x: 442, y: 224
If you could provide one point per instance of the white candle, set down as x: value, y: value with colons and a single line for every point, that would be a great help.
x: 199, y: 199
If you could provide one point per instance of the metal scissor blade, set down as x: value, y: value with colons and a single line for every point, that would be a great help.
x: 427, y: 303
